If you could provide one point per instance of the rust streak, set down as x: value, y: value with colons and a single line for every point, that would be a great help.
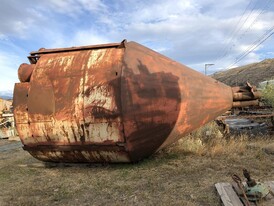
x: 117, y: 102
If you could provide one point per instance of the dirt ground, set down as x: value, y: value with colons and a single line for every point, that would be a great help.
x: 183, y: 174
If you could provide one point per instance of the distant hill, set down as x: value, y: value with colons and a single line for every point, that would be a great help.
x: 6, y: 95
x: 253, y: 73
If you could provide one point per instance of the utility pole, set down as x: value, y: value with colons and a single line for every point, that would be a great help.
x: 206, y: 66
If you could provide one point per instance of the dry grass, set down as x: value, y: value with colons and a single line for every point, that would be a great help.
x: 183, y: 174
x: 209, y: 141
x: 268, y: 95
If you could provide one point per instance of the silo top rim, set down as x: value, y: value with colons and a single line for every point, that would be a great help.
x: 98, y: 46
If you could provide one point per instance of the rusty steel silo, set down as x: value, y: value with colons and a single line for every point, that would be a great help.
x: 116, y: 102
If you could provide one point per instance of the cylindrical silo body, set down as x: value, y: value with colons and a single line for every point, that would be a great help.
x: 111, y: 103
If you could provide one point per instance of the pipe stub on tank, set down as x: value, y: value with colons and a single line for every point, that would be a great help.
x: 25, y: 72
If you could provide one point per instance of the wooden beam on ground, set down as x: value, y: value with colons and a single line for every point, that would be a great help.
x: 227, y: 194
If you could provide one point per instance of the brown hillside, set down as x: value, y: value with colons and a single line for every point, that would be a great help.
x: 253, y: 73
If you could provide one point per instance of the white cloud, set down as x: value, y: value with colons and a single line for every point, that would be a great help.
x: 15, y: 20
x: 93, y: 5
x: 2, y: 37
x: 75, y: 7
x: 164, y: 11
x: 88, y: 38
x: 193, y: 32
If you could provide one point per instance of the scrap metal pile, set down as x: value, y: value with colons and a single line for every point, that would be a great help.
x: 6, y: 119
x: 250, y: 191
x: 247, y: 95
x: 247, y: 114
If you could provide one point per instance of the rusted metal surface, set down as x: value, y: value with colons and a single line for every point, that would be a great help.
x: 249, y: 120
x: 25, y: 71
x: 247, y: 116
x: 80, y: 48
x: 6, y: 119
x: 245, y: 88
x: 246, y: 103
x: 164, y: 100
x: 111, y: 103
x: 244, y: 96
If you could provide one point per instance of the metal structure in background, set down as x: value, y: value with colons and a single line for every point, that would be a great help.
x: 247, y: 95
x: 251, y: 191
x: 206, y: 66
x: 247, y: 116
x: 116, y: 102
x: 6, y: 119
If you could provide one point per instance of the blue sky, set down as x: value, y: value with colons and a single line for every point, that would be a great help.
x: 193, y: 32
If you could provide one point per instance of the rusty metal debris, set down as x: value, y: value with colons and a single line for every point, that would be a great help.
x: 244, y: 96
x: 116, y: 102
x: 250, y: 120
x: 247, y: 126
x: 247, y: 115
x: 240, y: 185
x: 250, y: 190
x: 6, y: 119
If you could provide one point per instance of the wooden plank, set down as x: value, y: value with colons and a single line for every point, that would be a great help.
x: 228, y: 198
x: 228, y: 195
x: 239, y: 193
x: 270, y: 184
x: 269, y: 198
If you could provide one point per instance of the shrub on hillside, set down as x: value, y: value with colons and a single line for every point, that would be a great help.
x: 268, y: 94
